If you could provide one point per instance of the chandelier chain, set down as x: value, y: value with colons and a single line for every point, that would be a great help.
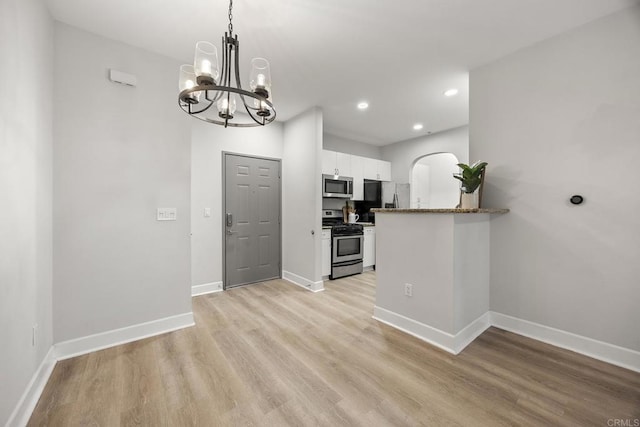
x: 230, y: 17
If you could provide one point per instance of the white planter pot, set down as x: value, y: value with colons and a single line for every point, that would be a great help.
x: 469, y: 201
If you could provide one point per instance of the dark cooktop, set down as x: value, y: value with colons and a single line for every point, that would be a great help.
x: 347, y: 229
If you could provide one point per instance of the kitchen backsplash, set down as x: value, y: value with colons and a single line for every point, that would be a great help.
x: 334, y: 203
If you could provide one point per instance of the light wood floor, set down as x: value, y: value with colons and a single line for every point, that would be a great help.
x: 274, y: 354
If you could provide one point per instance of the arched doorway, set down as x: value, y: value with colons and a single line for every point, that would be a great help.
x: 432, y: 182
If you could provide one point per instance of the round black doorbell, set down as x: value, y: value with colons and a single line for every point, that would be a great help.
x: 577, y: 199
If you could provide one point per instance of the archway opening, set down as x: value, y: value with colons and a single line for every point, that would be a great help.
x: 432, y: 182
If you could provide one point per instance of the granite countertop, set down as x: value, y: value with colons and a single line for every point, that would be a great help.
x: 441, y: 211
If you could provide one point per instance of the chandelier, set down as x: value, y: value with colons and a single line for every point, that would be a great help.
x: 207, y: 92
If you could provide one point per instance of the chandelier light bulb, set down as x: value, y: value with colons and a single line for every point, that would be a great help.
x: 206, y: 63
x: 263, y: 109
x: 226, y: 107
x: 206, y: 67
x: 260, y: 77
x: 186, y: 81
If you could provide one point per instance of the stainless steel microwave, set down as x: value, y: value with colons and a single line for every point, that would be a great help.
x: 337, y: 186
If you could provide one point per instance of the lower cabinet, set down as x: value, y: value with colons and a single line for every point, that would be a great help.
x: 369, y: 256
x: 326, y: 253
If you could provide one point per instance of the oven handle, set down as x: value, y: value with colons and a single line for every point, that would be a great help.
x: 346, y: 263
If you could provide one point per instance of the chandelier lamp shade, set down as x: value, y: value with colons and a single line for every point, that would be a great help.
x: 213, y: 93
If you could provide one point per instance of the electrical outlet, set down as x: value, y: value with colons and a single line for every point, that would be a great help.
x: 166, y: 214
x: 408, y: 289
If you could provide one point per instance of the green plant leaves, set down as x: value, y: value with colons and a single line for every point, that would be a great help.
x: 470, y: 176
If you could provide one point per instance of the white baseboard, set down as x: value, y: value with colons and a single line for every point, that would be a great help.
x: 472, y: 331
x: 29, y: 399
x: 79, y: 346
x: 206, y: 288
x: 606, y: 352
x: 453, y: 344
x: 301, y: 281
x: 610, y: 353
x: 67, y: 349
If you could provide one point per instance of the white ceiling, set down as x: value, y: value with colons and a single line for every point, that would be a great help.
x: 398, y: 55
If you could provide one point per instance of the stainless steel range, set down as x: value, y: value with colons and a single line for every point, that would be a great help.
x: 347, y: 245
x: 331, y: 217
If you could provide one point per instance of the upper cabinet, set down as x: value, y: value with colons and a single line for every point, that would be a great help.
x: 378, y: 170
x: 334, y: 163
x: 384, y: 170
x: 356, y: 167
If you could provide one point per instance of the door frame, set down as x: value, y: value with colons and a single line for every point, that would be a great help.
x: 224, y: 210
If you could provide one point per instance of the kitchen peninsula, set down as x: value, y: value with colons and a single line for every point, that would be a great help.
x: 433, y: 273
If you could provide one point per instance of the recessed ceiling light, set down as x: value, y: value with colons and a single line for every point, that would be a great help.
x: 363, y: 105
x: 451, y: 92
x: 417, y: 126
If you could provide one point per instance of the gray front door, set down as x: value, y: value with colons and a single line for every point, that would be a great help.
x: 251, y: 219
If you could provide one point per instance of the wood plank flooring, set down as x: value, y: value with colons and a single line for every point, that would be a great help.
x: 274, y: 354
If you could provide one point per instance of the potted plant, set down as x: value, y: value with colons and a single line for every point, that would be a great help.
x: 471, y: 178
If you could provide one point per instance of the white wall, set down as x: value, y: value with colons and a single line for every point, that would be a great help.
x: 559, y: 118
x: 420, y: 188
x: 343, y: 145
x: 208, y: 142
x: 26, y: 45
x: 449, y: 273
x: 430, y: 269
x: 404, y: 154
x: 301, y: 197
x: 119, y: 153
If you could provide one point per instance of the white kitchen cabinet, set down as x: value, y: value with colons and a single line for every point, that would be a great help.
x: 357, y: 172
x: 334, y: 163
x: 384, y: 170
x: 378, y: 170
x: 326, y: 253
x: 369, y: 255
x: 329, y: 165
x: 370, y: 168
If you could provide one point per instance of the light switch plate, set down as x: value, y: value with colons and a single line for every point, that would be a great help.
x: 167, y: 214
